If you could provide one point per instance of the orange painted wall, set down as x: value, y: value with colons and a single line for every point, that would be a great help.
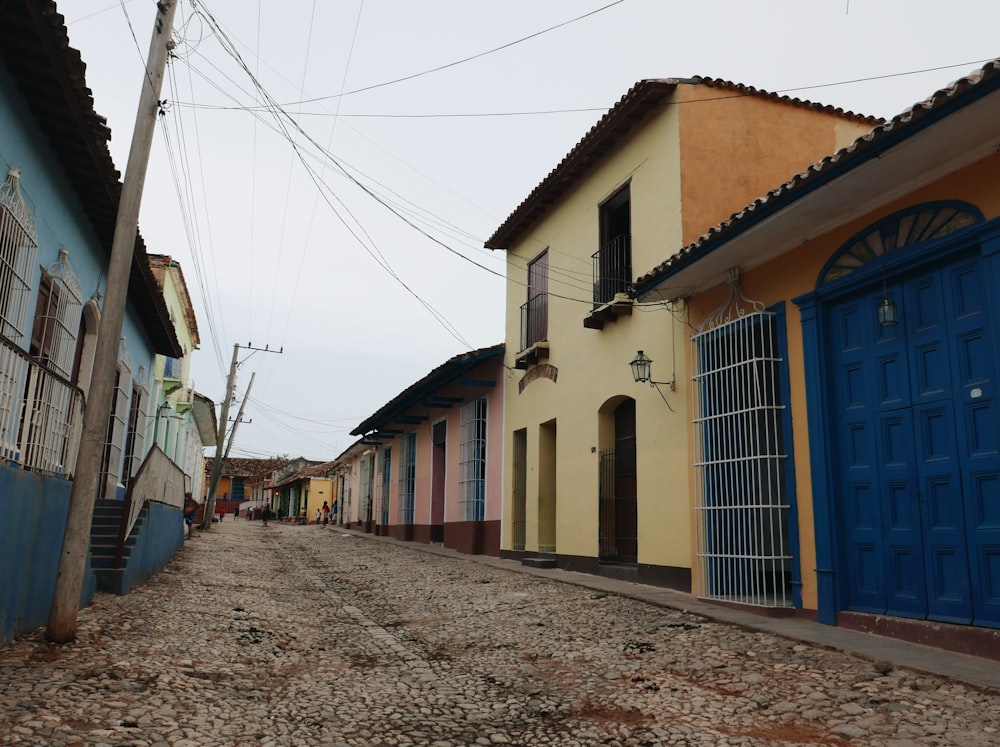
x: 715, y: 123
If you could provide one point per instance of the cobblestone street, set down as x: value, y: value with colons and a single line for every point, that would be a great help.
x: 303, y: 636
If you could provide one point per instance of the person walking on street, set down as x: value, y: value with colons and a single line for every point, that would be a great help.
x: 326, y: 513
x: 190, y: 507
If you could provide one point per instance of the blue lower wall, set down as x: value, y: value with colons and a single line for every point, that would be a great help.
x: 33, y: 513
x: 156, y: 542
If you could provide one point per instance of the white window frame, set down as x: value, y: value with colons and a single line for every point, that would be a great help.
x: 473, y: 430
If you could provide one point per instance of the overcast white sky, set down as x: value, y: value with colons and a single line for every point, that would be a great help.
x: 274, y: 255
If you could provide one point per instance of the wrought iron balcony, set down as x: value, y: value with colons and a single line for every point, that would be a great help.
x: 534, y: 320
x: 534, y: 331
x: 612, y: 269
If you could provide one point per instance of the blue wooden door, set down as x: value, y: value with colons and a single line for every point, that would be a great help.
x: 917, y: 465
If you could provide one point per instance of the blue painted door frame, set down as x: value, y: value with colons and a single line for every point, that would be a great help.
x: 903, y: 431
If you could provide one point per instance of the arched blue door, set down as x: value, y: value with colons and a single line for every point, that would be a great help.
x: 917, y: 462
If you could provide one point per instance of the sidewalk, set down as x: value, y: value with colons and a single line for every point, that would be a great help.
x: 971, y: 670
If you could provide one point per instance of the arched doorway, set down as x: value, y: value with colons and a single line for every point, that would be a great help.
x: 617, y: 496
x: 915, y: 427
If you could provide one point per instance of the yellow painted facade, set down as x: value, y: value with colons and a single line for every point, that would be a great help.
x: 688, y: 164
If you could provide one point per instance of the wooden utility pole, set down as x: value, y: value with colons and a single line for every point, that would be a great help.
x: 76, y: 541
x: 222, y: 453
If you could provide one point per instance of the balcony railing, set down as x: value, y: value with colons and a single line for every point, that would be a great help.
x: 612, y: 269
x: 534, y: 320
x: 41, y: 414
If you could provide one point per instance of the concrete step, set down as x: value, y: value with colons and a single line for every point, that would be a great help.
x: 539, y: 561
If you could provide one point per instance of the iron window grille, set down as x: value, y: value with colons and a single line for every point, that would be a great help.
x: 386, y: 484
x: 742, y: 508
x: 472, y: 460
x: 407, y: 477
x: 18, y: 243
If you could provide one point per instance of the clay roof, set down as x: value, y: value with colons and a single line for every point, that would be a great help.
x: 241, y: 467
x: 610, y: 130
x: 886, y: 135
x: 446, y: 373
x: 323, y: 470
x: 34, y: 47
x: 160, y: 263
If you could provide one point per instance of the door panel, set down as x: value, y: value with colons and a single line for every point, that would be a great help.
x: 977, y: 442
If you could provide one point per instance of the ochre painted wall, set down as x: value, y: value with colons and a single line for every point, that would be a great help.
x: 737, y: 148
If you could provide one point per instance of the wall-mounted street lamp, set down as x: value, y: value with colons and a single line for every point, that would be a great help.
x: 887, y: 316
x: 642, y: 372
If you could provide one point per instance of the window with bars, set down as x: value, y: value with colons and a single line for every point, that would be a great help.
x: 367, y: 487
x: 613, y: 261
x: 472, y: 461
x: 535, y: 311
x: 57, y: 317
x: 135, y: 440
x: 386, y: 483
x: 742, y: 506
x: 111, y: 461
x: 18, y: 243
x: 407, y: 476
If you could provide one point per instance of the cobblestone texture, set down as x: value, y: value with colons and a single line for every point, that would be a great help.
x: 304, y: 636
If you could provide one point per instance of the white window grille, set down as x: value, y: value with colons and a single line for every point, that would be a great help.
x: 386, y: 483
x: 743, y: 548
x: 135, y: 440
x: 111, y: 466
x: 407, y: 476
x: 57, y: 316
x: 367, y: 486
x: 18, y: 242
x: 472, y: 460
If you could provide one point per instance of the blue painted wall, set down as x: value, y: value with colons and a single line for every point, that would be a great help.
x: 33, y: 513
x: 60, y: 219
x: 158, y: 539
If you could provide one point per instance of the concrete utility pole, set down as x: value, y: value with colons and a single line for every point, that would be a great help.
x: 217, y: 465
x: 72, y: 561
x: 221, y: 454
x: 220, y: 440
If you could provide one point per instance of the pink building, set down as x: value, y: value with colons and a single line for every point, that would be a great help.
x: 433, y: 467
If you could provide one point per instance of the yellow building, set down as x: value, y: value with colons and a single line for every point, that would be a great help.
x: 844, y: 439
x: 596, y: 467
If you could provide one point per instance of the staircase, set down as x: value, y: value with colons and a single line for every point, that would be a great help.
x: 104, y: 530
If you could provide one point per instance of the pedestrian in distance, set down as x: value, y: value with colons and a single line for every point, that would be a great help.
x: 326, y: 513
x: 190, y: 507
x: 265, y: 514
x: 318, y: 517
